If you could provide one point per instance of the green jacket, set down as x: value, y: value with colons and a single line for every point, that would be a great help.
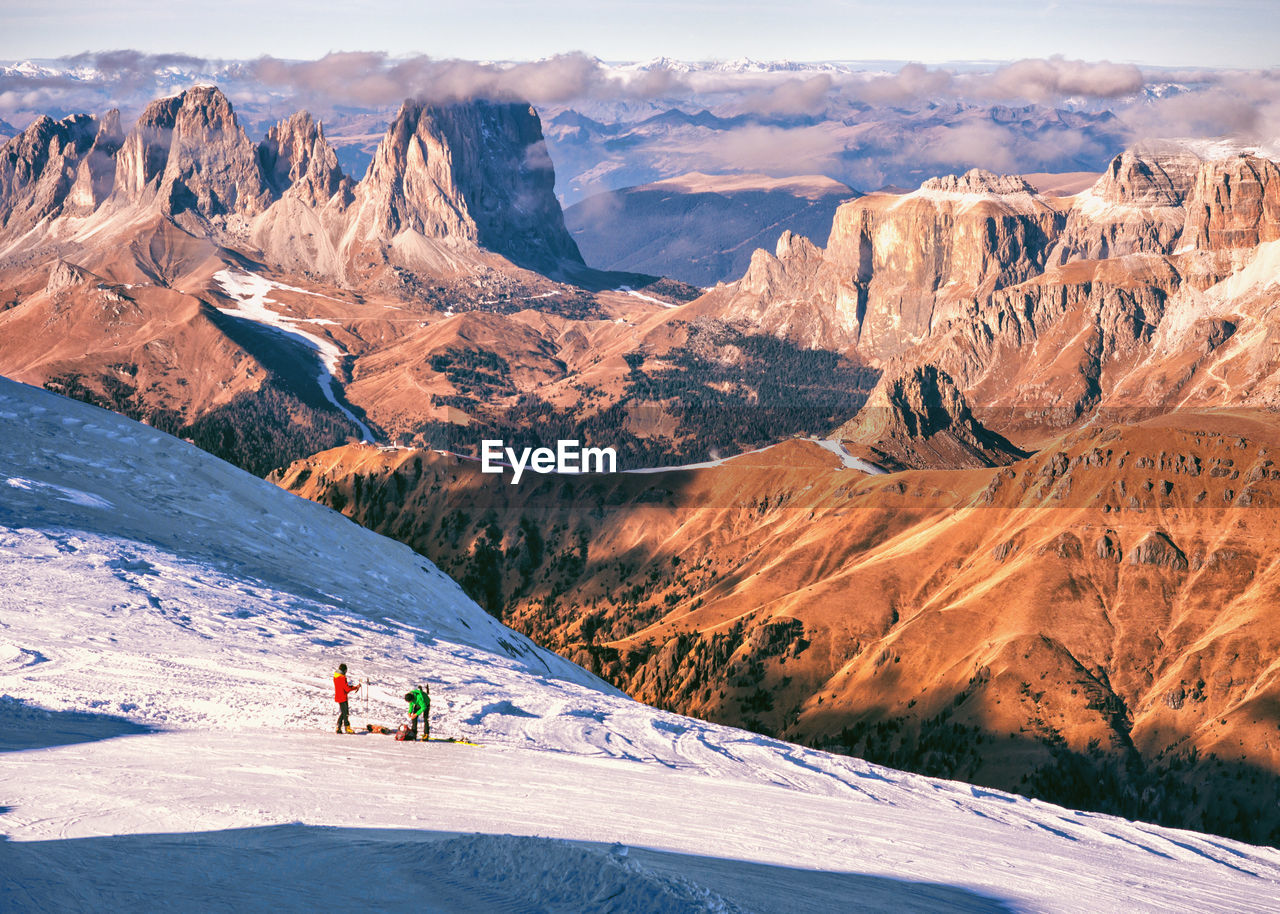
x: 420, y: 703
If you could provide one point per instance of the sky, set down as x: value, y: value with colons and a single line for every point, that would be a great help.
x: 1236, y: 33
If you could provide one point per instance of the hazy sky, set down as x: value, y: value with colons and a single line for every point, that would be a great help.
x: 1236, y: 33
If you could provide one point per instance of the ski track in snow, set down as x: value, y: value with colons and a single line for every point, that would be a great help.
x: 251, y: 290
x: 181, y: 594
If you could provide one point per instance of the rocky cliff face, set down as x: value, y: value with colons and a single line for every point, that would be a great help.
x: 38, y: 168
x: 896, y: 267
x: 188, y: 154
x: 96, y: 173
x: 795, y: 293
x: 303, y: 231
x: 1135, y: 207
x: 930, y: 255
x: 471, y: 173
x: 1132, y: 295
x: 465, y: 178
x: 1233, y: 204
x: 296, y: 159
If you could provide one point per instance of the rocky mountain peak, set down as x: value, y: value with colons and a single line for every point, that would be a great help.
x: 96, y: 174
x: 785, y: 274
x: 793, y: 247
x: 190, y: 154
x: 296, y: 157
x: 1141, y: 177
x: 37, y: 168
x: 474, y: 172
x: 64, y: 275
x: 919, y: 418
x: 1134, y: 208
x: 979, y: 181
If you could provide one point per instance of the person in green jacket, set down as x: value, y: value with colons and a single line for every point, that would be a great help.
x: 419, y: 706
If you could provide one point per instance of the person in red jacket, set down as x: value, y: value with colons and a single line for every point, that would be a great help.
x: 342, y: 688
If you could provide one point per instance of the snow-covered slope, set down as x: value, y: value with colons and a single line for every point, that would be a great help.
x: 168, y: 626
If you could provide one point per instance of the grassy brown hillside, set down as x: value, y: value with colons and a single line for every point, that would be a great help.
x: 1094, y: 624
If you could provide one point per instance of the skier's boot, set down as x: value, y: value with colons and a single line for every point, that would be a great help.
x: 348, y: 730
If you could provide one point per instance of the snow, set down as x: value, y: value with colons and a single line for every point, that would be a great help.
x: 251, y: 291
x: 1023, y: 204
x: 1097, y: 208
x: 649, y: 298
x: 850, y: 462
x: 165, y: 740
x: 1222, y: 148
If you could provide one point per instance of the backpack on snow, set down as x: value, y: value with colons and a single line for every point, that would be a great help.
x: 403, y: 733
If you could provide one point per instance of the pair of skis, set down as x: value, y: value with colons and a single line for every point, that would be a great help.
x: 378, y: 728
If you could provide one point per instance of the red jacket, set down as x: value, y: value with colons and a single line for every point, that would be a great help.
x: 341, y: 687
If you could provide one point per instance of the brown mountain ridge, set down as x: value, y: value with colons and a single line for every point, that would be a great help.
x: 1092, y: 624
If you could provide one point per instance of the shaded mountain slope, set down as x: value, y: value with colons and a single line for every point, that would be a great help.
x: 1090, y: 624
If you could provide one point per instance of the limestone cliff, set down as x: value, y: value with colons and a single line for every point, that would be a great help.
x: 794, y: 293
x: 38, y: 168
x: 188, y: 154
x: 474, y: 173
x: 928, y: 256
x: 1135, y: 207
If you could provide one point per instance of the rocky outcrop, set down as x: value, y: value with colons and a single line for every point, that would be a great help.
x: 1234, y: 203
x: 926, y: 257
x: 297, y: 160
x: 921, y: 420
x: 1135, y: 207
x: 1157, y: 549
x: 189, y: 154
x: 38, y: 168
x: 304, y: 230
x: 473, y: 173
x: 64, y: 276
x: 96, y: 174
x: 896, y: 267
x: 795, y: 293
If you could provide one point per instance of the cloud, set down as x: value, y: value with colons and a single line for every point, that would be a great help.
x: 1157, y: 103
x: 1045, y: 80
x: 791, y: 96
x: 999, y: 148
x: 376, y: 79
x: 771, y: 150
x: 913, y: 83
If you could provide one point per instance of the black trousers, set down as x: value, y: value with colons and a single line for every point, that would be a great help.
x: 343, y: 720
x: 413, y: 727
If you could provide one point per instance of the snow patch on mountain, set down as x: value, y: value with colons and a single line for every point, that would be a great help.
x: 251, y: 291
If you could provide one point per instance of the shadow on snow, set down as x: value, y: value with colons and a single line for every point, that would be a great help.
x: 298, y: 867
x: 27, y: 726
